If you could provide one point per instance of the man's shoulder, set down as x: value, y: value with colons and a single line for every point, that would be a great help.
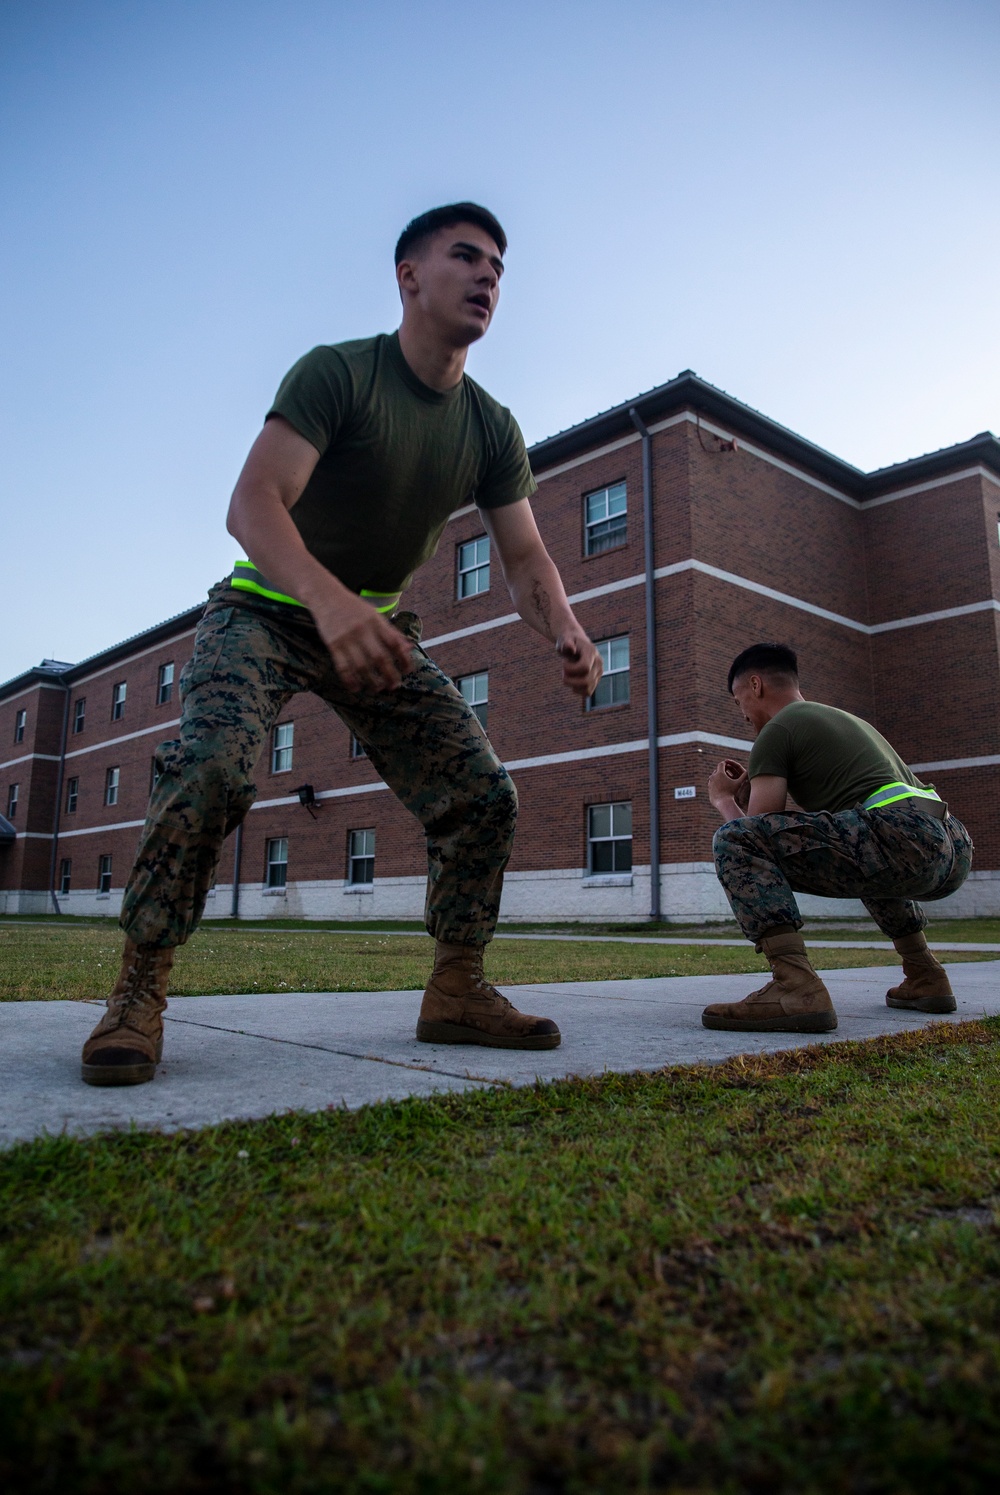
x: 791, y: 723
x: 358, y: 350
x: 809, y: 714
x: 496, y: 414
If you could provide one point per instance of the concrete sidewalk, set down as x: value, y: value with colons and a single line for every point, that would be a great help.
x: 236, y: 1058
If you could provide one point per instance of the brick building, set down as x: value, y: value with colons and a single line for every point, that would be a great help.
x: 887, y: 583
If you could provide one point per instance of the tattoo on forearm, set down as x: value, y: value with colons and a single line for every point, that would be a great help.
x: 541, y: 604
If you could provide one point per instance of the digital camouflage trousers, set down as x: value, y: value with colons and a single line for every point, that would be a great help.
x: 888, y: 858
x: 423, y: 739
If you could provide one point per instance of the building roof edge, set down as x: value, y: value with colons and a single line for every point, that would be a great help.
x: 689, y: 392
x: 41, y: 674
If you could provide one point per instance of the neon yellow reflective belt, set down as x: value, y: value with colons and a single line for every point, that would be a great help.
x: 246, y: 578
x: 889, y: 794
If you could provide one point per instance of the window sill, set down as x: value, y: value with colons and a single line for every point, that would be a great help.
x: 102, y: 897
x: 359, y: 887
x: 611, y: 706
x: 274, y: 892
x: 597, y: 554
x: 608, y: 880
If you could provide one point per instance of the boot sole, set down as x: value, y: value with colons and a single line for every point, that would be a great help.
x: 808, y: 1022
x: 121, y: 1074
x: 458, y: 1033
x: 923, y: 1004
x: 117, y: 1074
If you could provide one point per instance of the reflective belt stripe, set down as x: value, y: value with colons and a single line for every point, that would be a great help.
x: 383, y: 602
x: 246, y: 578
x: 889, y: 794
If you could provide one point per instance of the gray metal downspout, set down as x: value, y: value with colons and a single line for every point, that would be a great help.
x: 234, y: 912
x: 59, y: 790
x: 651, y: 672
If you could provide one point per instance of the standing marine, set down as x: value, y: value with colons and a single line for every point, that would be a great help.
x: 868, y: 829
x: 368, y: 449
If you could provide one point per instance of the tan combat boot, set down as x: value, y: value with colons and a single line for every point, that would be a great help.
x: 460, y: 1006
x: 127, y: 1044
x: 925, y: 986
x: 793, y: 1001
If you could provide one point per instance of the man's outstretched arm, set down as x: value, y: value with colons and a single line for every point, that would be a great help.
x: 367, y: 652
x: 537, y: 592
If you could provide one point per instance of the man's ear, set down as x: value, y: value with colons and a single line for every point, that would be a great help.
x: 406, y: 277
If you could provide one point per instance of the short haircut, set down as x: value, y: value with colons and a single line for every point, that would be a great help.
x: 422, y: 227
x: 765, y: 659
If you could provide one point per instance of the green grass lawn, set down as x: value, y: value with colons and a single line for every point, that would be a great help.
x: 40, y: 961
x: 776, y: 1275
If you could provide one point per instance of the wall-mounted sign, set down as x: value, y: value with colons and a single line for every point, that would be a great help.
x: 688, y: 792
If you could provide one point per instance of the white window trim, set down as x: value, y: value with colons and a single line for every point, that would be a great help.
x: 363, y: 857
x: 591, y: 524
x: 477, y: 567
x: 611, y: 840
x: 285, y: 747
x: 270, y: 862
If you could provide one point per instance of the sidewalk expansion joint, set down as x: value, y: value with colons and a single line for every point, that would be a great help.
x: 298, y: 1043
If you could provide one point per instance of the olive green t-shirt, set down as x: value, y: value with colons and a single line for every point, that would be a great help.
x: 831, y: 759
x: 396, y: 459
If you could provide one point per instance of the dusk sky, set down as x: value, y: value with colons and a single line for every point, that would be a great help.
x: 799, y: 201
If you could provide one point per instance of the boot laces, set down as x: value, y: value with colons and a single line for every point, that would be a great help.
x: 485, y: 988
x: 761, y: 991
x: 135, y: 985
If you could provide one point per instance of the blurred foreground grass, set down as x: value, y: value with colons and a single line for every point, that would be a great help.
x: 775, y: 1276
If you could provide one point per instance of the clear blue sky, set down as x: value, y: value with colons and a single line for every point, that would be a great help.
x: 797, y: 200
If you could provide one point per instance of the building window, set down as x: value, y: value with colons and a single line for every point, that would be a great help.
x: 476, y: 690
x: 357, y: 748
x: 361, y: 858
x: 277, y: 862
x: 104, y: 874
x: 111, y: 786
x: 474, y: 567
x: 20, y: 722
x: 80, y: 715
x: 154, y: 773
x: 612, y: 688
x: 72, y: 795
x: 282, y: 747
x: 118, y: 701
x: 65, y: 874
x: 12, y: 793
x: 605, y: 519
x: 164, y: 684
x: 609, y: 838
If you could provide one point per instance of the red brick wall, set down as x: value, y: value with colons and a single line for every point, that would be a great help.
x: 934, y: 690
